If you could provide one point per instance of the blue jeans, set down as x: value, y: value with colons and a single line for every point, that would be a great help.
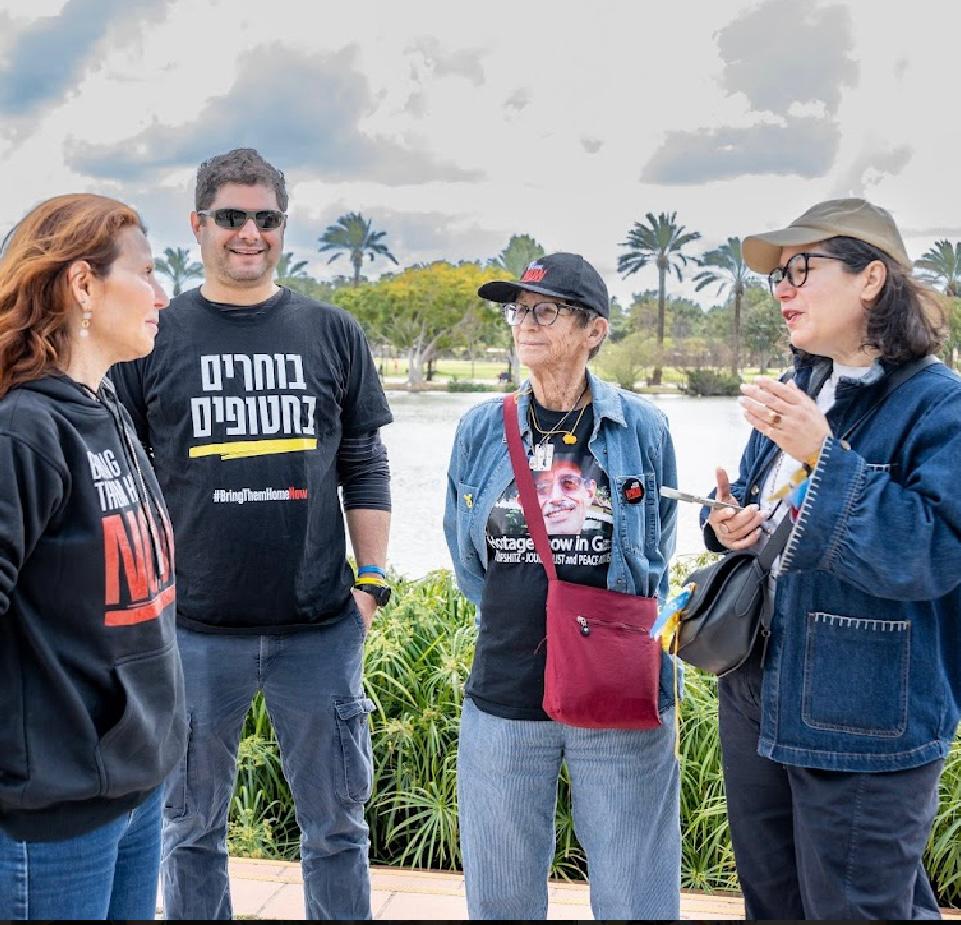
x: 312, y: 684
x: 624, y: 786
x: 109, y: 873
x: 813, y: 844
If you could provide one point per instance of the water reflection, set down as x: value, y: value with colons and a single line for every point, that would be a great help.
x: 706, y: 431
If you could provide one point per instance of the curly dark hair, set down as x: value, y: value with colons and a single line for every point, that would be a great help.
x: 242, y: 165
x: 906, y: 321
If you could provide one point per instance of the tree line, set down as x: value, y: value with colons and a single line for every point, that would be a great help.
x: 426, y: 310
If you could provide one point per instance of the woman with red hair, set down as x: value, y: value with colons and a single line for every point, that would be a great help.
x: 90, y: 678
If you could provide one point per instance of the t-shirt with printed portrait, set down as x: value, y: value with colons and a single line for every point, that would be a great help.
x: 507, y: 678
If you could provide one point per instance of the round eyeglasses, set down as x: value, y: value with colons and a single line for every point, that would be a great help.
x: 545, y: 313
x: 795, y: 271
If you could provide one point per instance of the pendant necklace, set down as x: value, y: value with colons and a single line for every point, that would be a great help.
x: 544, y: 449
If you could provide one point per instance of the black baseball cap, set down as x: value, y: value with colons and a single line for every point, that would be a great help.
x: 564, y: 276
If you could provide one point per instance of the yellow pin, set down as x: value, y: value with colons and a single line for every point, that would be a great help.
x: 469, y: 501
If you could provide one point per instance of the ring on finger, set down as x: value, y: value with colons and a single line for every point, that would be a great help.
x: 775, y: 419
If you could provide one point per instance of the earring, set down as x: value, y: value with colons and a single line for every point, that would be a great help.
x: 85, y: 317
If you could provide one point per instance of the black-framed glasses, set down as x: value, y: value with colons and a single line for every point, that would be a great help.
x: 544, y: 313
x: 795, y: 271
x: 235, y: 219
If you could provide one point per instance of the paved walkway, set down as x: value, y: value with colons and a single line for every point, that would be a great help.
x: 274, y: 890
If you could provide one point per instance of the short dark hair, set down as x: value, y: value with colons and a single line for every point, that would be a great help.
x: 242, y: 165
x: 907, y: 320
x: 582, y: 318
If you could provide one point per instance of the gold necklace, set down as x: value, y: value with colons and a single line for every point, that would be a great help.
x: 568, y: 437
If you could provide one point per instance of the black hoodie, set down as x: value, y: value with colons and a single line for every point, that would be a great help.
x: 90, y: 681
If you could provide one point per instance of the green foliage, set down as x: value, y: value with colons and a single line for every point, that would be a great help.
x: 456, y: 385
x: 952, y: 343
x: 417, y: 660
x: 619, y: 322
x: 520, y: 251
x: 261, y: 822
x: 711, y: 382
x: 624, y: 362
x: 424, y: 309
x: 725, y: 267
x: 351, y: 235
x: 418, y: 656
x: 288, y: 269
x: 661, y: 242
x: 763, y: 330
x: 178, y: 268
x: 941, y: 266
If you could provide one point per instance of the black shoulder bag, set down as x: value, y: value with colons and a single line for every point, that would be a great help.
x: 732, y: 600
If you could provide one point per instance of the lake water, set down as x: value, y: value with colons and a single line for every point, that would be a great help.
x: 707, y: 432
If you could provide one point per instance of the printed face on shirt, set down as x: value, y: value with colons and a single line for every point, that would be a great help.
x: 564, y: 495
x: 243, y: 257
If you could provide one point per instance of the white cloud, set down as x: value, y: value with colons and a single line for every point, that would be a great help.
x: 554, y: 110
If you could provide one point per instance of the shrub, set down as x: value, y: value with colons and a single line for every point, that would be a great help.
x: 458, y: 385
x: 711, y: 382
x: 418, y: 656
x: 624, y: 361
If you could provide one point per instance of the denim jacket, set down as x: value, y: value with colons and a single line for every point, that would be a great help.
x: 863, y: 667
x: 630, y: 440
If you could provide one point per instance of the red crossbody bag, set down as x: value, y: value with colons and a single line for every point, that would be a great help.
x: 603, y: 668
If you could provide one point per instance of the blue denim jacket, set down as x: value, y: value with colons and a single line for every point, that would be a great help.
x: 863, y: 667
x: 630, y: 440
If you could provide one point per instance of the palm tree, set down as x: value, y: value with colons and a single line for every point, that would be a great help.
x: 520, y: 251
x: 351, y: 235
x: 287, y: 269
x: 176, y: 266
x: 942, y: 264
x: 726, y: 267
x: 659, y: 241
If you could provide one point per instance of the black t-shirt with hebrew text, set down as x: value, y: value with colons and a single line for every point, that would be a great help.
x: 243, y: 409
x: 507, y: 678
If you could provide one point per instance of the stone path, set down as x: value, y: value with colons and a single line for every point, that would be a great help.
x: 274, y: 890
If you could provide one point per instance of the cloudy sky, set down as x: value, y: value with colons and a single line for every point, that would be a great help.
x: 455, y: 125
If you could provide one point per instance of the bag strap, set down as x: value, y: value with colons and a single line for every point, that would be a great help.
x: 892, y: 383
x: 775, y: 545
x: 525, y: 487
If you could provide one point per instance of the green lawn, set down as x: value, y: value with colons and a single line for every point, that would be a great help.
x: 445, y: 369
x: 487, y: 371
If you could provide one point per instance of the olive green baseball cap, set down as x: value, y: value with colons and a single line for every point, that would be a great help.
x: 851, y: 218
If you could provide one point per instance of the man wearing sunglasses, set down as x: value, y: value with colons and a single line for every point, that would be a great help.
x: 565, y: 494
x: 256, y: 404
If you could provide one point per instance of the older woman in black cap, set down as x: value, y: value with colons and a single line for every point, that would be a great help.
x: 597, y: 457
x: 835, y: 730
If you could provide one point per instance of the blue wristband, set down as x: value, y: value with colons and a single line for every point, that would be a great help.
x: 371, y: 570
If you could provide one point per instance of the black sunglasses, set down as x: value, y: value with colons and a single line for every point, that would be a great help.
x: 235, y: 219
